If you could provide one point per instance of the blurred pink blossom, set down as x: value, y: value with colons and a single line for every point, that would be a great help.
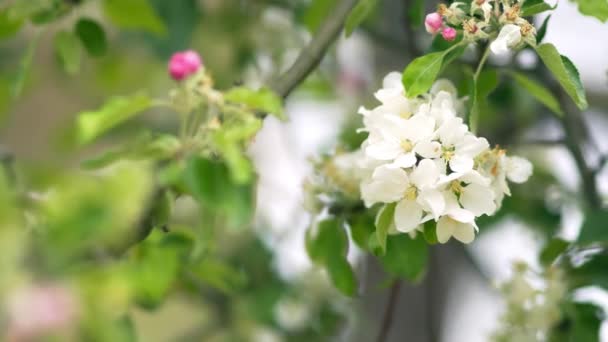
x: 183, y: 64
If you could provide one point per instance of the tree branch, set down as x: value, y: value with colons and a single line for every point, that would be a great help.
x: 387, y: 319
x: 312, y: 54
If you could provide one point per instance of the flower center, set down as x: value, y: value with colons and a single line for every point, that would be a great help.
x: 456, y: 187
x: 447, y: 153
x: 407, y: 145
x: 411, y: 193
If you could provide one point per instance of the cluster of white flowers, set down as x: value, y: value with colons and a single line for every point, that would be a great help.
x: 420, y: 155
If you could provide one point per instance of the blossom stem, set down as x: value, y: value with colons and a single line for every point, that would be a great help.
x: 482, y: 62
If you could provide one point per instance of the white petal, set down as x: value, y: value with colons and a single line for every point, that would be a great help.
x: 451, y: 131
x: 408, y: 215
x: 392, y: 80
x: 433, y: 200
x: 471, y: 145
x: 478, y: 199
x: 425, y: 174
x: 464, y: 232
x: 445, y: 229
x: 509, y: 36
x: 405, y: 160
x: 461, y: 215
x: 518, y: 169
x: 428, y: 149
x: 461, y: 164
x: 474, y: 177
x: 383, y: 150
x: 419, y: 127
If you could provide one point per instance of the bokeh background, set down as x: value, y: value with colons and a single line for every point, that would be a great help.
x: 250, y: 42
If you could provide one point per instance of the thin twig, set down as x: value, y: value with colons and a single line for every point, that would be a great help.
x: 313, y: 53
x: 387, y: 319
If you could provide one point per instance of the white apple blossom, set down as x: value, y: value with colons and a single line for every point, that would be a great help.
x: 421, y: 157
x: 508, y: 37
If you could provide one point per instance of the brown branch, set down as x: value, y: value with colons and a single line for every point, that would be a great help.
x: 387, y: 319
x: 312, y: 54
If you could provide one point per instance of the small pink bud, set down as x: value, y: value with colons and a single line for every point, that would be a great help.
x: 433, y: 22
x: 183, y: 64
x: 448, y: 34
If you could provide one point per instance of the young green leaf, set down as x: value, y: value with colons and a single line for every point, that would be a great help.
x: 92, y: 124
x: 594, y: 228
x: 419, y: 75
x: 532, y: 7
x: 540, y: 34
x: 361, y: 11
x: 134, y: 14
x: 594, y: 8
x: 92, y: 36
x: 406, y: 257
x: 67, y: 49
x: 263, y: 99
x: 537, y: 90
x: 384, y: 220
x: 565, y: 72
x: 430, y: 232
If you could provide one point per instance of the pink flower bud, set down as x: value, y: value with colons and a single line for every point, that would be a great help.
x: 433, y: 22
x: 183, y: 64
x: 448, y: 34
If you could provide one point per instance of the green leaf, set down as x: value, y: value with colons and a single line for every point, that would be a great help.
x: 9, y: 24
x: 594, y: 8
x: 406, y: 257
x: 67, y: 49
x: 591, y: 273
x: 552, y: 250
x: 540, y: 34
x: 220, y: 275
x: 327, y: 245
x: 92, y: 36
x: 536, y: 89
x: 532, y: 7
x: 342, y: 275
x: 263, y: 99
x: 24, y: 67
x: 581, y: 322
x: 361, y: 11
x: 430, y: 232
x: 155, y: 269
x: 361, y: 227
x: 143, y: 147
x: 420, y: 74
x: 92, y: 124
x: 595, y: 228
x: 383, y: 222
x: 565, y: 72
x: 134, y: 14
x: 210, y: 183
